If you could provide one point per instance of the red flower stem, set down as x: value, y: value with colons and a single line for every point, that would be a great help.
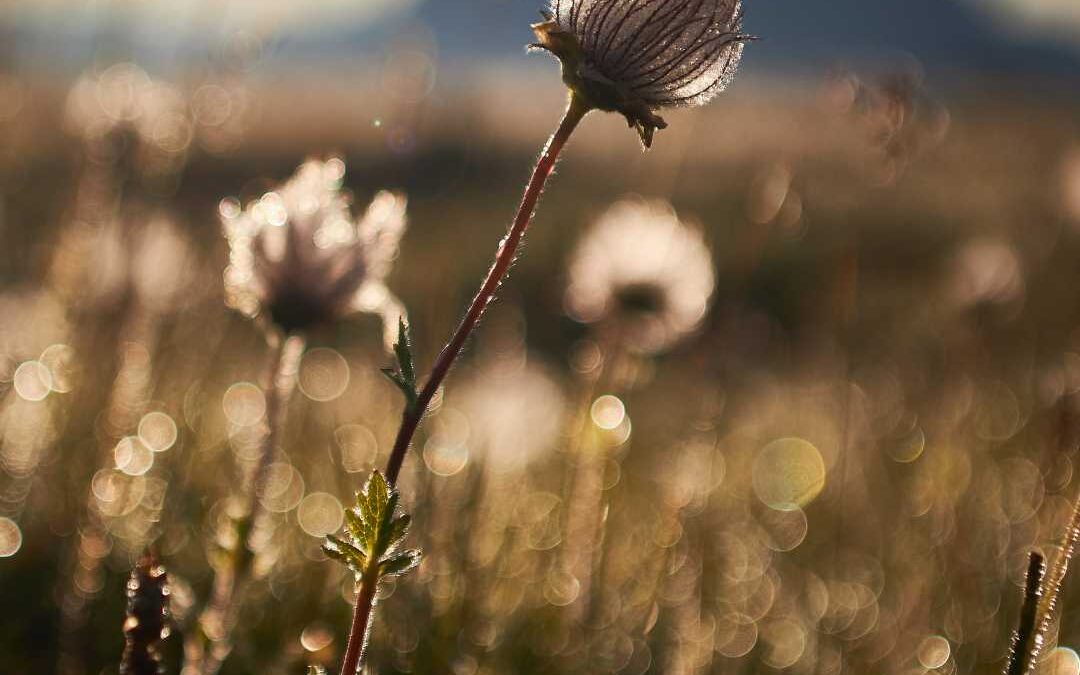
x: 504, y: 257
x: 412, y: 416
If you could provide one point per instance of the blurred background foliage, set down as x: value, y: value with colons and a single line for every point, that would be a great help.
x: 842, y: 468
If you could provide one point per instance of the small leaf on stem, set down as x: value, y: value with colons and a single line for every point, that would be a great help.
x: 404, y: 376
x: 373, y: 532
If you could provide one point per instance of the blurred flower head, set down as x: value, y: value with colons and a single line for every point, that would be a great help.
x: 644, y: 272
x: 635, y: 56
x: 515, y: 409
x: 297, y: 258
x: 123, y: 106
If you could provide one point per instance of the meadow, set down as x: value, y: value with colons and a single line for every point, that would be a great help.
x: 839, y: 465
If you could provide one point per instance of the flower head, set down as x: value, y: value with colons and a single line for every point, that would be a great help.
x: 123, y: 108
x: 644, y: 273
x: 636, y: 56
x: 516, y: 408
x: 297, y: 257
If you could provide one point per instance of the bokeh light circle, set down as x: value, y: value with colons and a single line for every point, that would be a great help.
x: 157, y: 431
x: 316, y: 637
x: 934, y: 652
x: 784, y: 641
x: 908, y: 448
x: 608, y: 412
x: 132, y: 456
x: 445, y: 459
x: 788, y: 473
x: 32, y: 381
x: 1061, y: 661
x: 244, y: 404
x: 358, y: 446
x: 783, y: 530
x: 736, y: 635
x: 60, y: 360
x: 10, y: 537
x: 283, y: 489
x: 323, y: 375
x: 320, y: 514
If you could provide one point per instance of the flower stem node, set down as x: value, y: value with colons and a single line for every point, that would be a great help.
x: 634, y: 57
x: 593, y: 89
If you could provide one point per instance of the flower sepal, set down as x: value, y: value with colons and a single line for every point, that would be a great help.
x: 590, y: 86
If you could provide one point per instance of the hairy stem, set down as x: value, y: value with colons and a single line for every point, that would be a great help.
x: 504, y: 257
x: 410, y: 421
x: 361, y: 623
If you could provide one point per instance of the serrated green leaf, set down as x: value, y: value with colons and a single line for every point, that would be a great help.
x: 378, y: 495
x: 404, y: 376
x: 399, y: 527
x: 368, y: 514
x: 345, y: 552
x: 403, y: 350
x: 409, y: 390
x: 400, y: 563
x: 374, y: 529
x: 356, y: 527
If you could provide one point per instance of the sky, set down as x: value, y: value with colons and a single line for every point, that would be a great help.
x: 1037, y: 37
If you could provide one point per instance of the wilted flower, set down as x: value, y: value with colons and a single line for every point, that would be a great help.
x: 297, y: 257
x: 644, y: 272
x: 636, y: 56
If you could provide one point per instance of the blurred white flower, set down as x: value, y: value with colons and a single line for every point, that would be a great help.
x: 297, y: 257
x: 161, y: 263
x: 643, y: 272
x: 90, y: 265
x: 515, y: 410
x: 124, y: 98
x: 635, y: 56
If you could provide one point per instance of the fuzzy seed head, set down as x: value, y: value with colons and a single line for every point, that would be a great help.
x: 636, y: 56
x: 642, y: 274
x: 298, y: 259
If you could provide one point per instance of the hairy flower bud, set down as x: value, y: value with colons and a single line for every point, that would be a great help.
x: 636, y: 56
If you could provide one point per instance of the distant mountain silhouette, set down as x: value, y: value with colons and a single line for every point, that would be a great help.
x: 944, y: 35
x: 950, y: 38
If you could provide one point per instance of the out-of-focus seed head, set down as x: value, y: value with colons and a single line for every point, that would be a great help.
x: 637, y: 56
x: 643, y: 273
x: 297, y: 258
